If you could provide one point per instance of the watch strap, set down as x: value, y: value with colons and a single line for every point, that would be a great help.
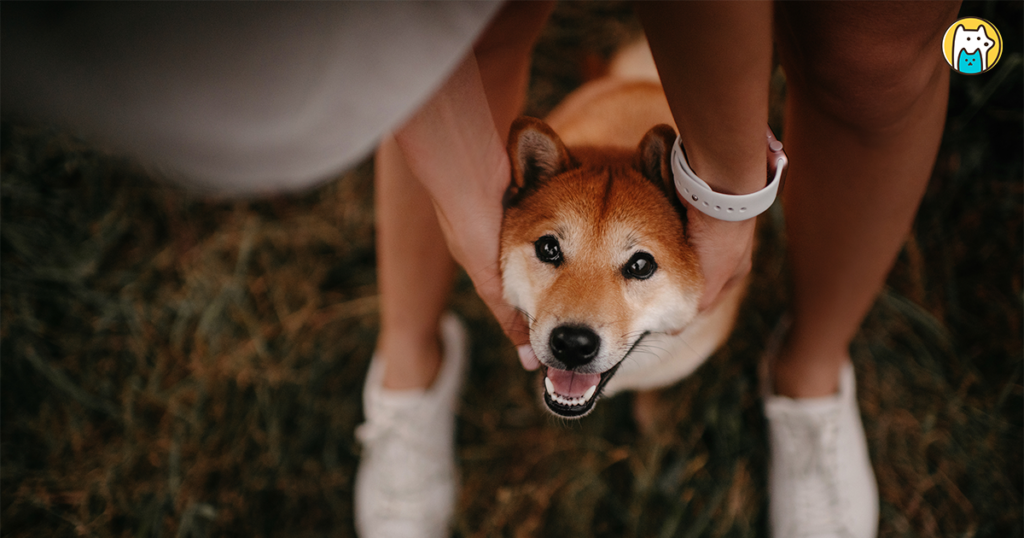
x: 729, y: 207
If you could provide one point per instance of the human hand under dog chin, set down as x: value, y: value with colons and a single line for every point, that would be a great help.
x: 725, y: 250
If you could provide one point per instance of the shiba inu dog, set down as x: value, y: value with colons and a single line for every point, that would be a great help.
x: 594, y: 249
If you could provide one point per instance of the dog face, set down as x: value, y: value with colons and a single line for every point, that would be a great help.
x: 593, y: 252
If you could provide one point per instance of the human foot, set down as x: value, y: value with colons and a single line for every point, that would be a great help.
x: 407, y: 482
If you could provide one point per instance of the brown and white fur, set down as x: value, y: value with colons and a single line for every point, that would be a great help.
x: 594, y: 248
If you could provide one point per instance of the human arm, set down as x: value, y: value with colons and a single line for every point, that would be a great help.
x: 714, y: 60
x: 452, y: 146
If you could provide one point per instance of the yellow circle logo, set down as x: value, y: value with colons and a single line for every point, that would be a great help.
x: 972, y: 46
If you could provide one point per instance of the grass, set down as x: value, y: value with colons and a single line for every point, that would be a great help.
x: 174, y: 366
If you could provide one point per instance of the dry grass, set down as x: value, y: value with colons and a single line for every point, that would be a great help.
x: 179, y: 367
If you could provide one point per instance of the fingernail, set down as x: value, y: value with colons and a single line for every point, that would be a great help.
x: 527, y: 357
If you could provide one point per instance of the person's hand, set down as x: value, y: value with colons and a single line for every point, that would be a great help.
x: 452, y: 146
x: 471, y: 222
x: 724, y: 250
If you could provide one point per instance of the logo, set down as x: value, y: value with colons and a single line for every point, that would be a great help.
x: 972, y: 46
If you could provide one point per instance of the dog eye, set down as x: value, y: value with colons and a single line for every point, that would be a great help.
x: 548, y: 250
x: 641, y: 266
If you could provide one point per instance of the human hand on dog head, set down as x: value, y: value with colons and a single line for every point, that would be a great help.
x: 724, y: 249
x: 454, y: 149
x: 471, y: 228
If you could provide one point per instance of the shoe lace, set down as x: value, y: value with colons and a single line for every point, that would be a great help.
x: 813, y: 452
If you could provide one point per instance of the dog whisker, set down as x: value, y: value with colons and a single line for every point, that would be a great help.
x: 526, y: 315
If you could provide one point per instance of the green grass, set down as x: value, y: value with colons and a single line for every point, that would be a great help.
x: 173, y: 366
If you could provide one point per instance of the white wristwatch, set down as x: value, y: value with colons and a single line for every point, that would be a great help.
x: 731, y: 207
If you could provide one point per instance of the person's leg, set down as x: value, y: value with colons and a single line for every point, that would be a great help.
x: 867, y: 89
x: 414, y: 273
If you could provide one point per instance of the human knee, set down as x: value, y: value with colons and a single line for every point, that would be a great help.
x: 866, y: 70
x: 874, y: 90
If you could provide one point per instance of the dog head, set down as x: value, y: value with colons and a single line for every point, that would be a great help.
x: 594, y: 253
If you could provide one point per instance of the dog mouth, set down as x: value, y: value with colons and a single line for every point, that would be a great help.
x: 571, y: 394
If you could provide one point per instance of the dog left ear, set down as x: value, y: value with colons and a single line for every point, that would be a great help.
x: 535, y: 154
x: 654, y: 157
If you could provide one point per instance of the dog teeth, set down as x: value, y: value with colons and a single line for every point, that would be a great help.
x: 569, y: 402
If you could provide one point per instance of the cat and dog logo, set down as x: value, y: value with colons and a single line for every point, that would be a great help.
x: 972, y: 46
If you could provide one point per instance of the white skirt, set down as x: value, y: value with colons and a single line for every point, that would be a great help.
x: 236, y: 97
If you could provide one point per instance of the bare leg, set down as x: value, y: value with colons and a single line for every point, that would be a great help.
x: 414, y: 267
x: 414, y: 273
x: 867, y: 100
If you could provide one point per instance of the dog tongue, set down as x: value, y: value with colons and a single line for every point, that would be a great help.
x: 571, y: 384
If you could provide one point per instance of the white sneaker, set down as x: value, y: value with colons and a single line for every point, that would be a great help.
x: 407, y: 480
x: 821, y: 483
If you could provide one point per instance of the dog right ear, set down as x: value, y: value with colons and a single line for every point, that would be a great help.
x: 654, y: 160
x: 535, y: 154
x: 654, y: 157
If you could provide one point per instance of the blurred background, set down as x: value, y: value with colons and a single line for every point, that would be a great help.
x: 172, y: 366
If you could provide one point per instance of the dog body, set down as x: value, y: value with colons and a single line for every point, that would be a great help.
x: 594, y: 249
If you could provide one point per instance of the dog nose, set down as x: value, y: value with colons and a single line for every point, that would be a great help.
x: 574, y: 346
